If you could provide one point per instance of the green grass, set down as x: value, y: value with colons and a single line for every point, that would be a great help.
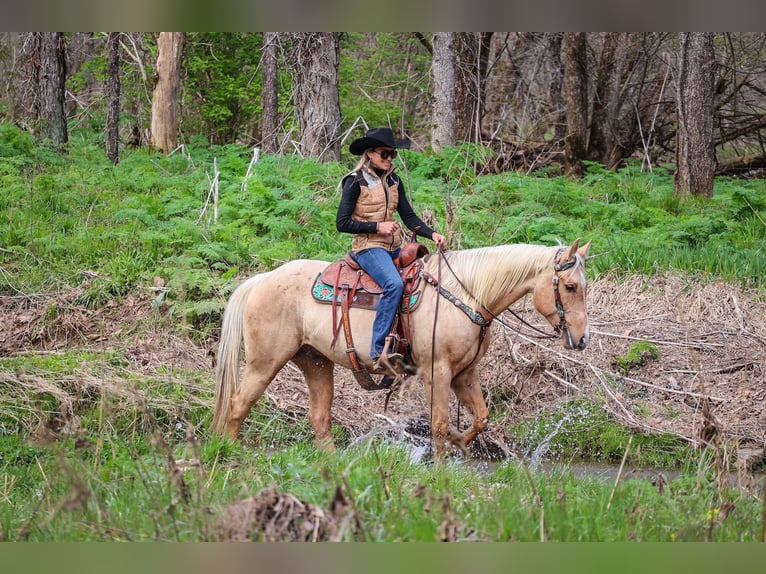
x: 150, y: 215
x: 580, y: 430
x: 147, y: 490
x: 136, y: 463
x: 133, y: 460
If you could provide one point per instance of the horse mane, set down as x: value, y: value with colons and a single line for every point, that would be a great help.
x: 489, y: 272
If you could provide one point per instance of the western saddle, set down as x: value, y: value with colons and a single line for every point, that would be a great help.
x: 344, y: 283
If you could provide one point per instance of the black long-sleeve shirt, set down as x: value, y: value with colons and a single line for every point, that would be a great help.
x: 345, y: 223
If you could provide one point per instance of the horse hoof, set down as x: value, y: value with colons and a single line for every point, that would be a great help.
x: 386, y: 381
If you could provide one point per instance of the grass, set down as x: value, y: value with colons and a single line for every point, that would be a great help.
x: 59, y: 216
x: 580, y: 430
x: 92, y: 447
x: 152, y: 490
x: 139, y: 465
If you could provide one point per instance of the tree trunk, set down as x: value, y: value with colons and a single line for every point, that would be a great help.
x: 576, y: 89
x: 601, y: 141
x: 52, y: 82
x: 315, y: 66
x: 270, y: 117
x: 471, y: 64
x: 164, y: 126
x: 557, y: 79
x: 113, y: 98
x: 443, y: 74
x: 695, y: 151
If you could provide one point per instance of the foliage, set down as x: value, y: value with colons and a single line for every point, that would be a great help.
x: 581, y: 430
x: 141, y: 490
x: 376, y: 71
x: 639, y: 353
x: 224, y: 70
x: 132, y: 461
x: 63, y: 219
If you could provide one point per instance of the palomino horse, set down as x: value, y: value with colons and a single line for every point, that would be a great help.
x: 278, y: 319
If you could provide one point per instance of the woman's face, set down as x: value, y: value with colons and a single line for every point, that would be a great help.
x: 381, y: 157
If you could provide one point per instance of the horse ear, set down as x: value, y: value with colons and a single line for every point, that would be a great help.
x: 572, y: 250
x: 584, y: 250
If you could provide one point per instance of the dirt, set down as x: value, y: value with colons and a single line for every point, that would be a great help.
x: 667, y: 354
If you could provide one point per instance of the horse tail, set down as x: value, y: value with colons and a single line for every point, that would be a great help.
x: 229, y: 349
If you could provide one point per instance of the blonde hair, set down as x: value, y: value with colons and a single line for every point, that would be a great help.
x: 363, y: 164
x: 362, y: 161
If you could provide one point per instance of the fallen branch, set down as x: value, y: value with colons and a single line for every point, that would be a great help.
x: 658, y: 341
x: 636, y: 381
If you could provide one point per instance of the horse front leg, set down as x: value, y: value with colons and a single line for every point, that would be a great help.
x: 468, y: 391
x: 437, y: 398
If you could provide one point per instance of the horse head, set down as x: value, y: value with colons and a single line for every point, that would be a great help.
x: 559, y: 295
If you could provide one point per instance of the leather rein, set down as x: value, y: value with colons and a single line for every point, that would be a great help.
x: 479, y: 319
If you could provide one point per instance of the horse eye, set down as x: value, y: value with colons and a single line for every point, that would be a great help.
x: 570, y: 287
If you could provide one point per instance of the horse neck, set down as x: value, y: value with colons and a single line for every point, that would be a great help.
x: 495, y: 277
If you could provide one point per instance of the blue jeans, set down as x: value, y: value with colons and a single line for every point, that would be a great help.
x: 379, y: 263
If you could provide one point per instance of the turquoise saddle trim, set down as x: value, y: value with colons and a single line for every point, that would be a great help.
x: 323, y: 293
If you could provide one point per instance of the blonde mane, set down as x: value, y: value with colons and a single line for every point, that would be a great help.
x: 490, y: 272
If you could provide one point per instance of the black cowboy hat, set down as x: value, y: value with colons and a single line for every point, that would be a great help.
x: 377, y: 137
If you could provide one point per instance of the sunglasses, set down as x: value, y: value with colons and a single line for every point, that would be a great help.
x: 386, y: 153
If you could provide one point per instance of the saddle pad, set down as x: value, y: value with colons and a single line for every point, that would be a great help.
x: 323, y: 293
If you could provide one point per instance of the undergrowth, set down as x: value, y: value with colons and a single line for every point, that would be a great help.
x: 186, y: 490
x: 581, y: 430
x: 67, y: 217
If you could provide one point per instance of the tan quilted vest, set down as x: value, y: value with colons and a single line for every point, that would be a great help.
x: 377, y: 202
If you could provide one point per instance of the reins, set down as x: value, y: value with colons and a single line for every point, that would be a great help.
x: 479, y: 319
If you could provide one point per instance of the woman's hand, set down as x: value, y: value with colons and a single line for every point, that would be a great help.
x: 388, y: 227
x: 440, y: 240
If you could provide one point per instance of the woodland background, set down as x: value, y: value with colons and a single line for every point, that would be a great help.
x: 538, y: 99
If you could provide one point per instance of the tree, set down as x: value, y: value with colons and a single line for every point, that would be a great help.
x: 165, y: 113
x: 601, y: 142
x: 51, y: 54
x: 695, y: 151
x: 558, y: 105
x: 443, y: 74
x: 576, y: 90
x: 270, y: 116
x: 113, y: 98
x: 317, y: 104
x: 471, y: 67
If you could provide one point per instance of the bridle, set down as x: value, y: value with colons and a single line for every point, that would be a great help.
x: 479, y: 319
x: 557, y: 267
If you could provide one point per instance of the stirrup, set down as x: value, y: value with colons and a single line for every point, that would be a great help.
x: 395, y: 364
x: 388, y: 364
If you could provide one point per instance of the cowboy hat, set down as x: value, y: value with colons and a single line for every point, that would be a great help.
x: 377, y: 137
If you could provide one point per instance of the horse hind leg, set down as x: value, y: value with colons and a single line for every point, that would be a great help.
x: 318, y: 372
x: 254, y: 383
x: 260, y: 370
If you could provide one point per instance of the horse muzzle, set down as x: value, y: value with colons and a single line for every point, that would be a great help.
x: 570, y: 342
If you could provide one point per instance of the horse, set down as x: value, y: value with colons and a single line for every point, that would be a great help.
x: 276, y: 316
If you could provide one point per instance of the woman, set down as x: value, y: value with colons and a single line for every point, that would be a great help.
x: 372, y: 192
